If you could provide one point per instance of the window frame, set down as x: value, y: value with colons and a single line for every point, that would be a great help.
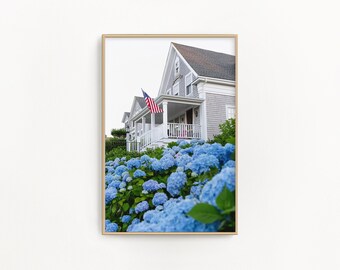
x: 188, y: 82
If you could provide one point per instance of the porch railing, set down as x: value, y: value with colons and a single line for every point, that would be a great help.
x: 184, y: 131
x: 145, y: 139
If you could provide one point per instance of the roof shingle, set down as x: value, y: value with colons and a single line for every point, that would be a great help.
x: 208, y: 63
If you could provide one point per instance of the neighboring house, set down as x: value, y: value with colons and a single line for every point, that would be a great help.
x: 197, y: 94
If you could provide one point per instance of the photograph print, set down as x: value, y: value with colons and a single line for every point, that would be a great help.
x: 169, y: 134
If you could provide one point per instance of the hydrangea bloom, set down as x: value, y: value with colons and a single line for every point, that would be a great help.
x: 156, y: 165
x: 114, y: 183
x: 203, y: 163
x: 183, y: 160
x: 187, y: 151
x: 226, y: 178
x: 176, y: 182
x: 167, y: 161
x: 152, y: 185
x: 133, y: 163
x: 176, y: 148
x: 173, y: 218
x: 108, y: 178
x: 120, y: 169
x: 111, y: 227
x: 142, y: 207
x: 159, y: 198
x: 139, y: 173
x: 125, y: 175
x: 183, y: 143
x: 122, y: 190
x: 122, y: 185
x: 110, y: 194
x: 110, y: 169
x: 125, y: 218
x: 145, y: 159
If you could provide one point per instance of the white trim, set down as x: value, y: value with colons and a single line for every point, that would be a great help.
x: 232, y: 107
x: 213, y: 80
x: 165, y: 70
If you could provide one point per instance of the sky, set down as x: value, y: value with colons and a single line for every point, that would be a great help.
x: 135, y: 63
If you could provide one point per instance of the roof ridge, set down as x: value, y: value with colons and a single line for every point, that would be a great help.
x: 174, y: 43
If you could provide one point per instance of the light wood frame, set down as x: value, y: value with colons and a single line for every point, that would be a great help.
x: 107, y: 36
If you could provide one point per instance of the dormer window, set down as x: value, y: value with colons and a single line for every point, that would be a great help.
x: 176, y: 66
x: 188, y: 86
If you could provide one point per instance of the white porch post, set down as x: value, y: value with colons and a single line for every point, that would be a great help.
x: 153, y: 125
x: 165, y: 119
x: 143, y: 124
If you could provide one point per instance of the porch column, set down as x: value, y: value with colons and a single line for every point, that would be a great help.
x: 165, y: 119
x: 153, y: 125
x: 143, y: 124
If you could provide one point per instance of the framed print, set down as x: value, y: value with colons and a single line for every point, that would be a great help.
x: 169, y: 134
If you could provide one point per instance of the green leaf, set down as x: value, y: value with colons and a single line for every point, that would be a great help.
x: 226, y: 201
x: 205, y: 213
x: 126, y: 207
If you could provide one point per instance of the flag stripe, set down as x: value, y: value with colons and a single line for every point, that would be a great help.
x: 153, y: 107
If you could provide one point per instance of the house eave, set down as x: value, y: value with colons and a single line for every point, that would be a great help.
x: 169, y: 98
x: 213, y: 80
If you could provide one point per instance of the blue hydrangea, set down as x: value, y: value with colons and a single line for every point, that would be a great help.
x: 203, y: 163
x: 142, y: 207
x: 125, y: 175
x: 110, y: 194
x: 159, y: 198
x: 167, y: 161
x: 156, y: 165
x: 145, y: 159
x: 169, y: 151
x: 128, y: 180
x: 131, y: 210
x: 125, y: 218
x: 139, y: 173
x: 108, y: 178
x: 183, y: 160
x: 111, y: 227
x: 114, y: 183
x: 183, y: 143
x: 172, y: 218
x: 176, y: 148
x: 176, y: 181
x: 187, y: 151
x: 120, y: 169
x: 122, y: 185
x: 110, y: 169
x: 226, y: 178
x: 133, y: 223
x: 152, y: 185
x: 133, y: 163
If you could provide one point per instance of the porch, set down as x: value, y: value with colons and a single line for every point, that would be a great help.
x: 180, y: 120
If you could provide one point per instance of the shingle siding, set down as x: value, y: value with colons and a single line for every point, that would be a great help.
x: 216, y: 112
x: 183, y: 71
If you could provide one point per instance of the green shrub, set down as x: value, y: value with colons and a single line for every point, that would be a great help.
x: 111, y: 143
x: 118, y: 133
x: 227, y: 134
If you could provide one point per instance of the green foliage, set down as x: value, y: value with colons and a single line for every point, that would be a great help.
x: 172, y: 144
x: 225, y: 211
x: 111, y: 143
x: 119, y: 152
x: 227, y: 135
x: 118, y: 133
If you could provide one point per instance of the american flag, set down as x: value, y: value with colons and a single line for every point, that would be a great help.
x: 153, y: 107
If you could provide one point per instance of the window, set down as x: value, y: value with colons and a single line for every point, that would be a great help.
x: 230, y: 111
x: 188, y: 86
x: 176, y: 66
x: 176, y: 89
x: 168, y: 92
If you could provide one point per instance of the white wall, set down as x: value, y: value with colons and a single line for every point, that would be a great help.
x: 289, y: 177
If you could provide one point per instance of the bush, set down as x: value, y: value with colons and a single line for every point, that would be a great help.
x: 227, y: 134
x: 118, y: 133
x: 148, y: 192
x: 111, y: 143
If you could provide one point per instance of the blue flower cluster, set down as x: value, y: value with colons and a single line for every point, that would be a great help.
x: 125, y: 218
x: 133, y: 163
x: 110, y: 194
x: 110, y: 227
x: 142, y: 207
x: 203, y: 163
x: 159, y: 198
x: 176, y: 182
x: 139, y: 173
x: 152, y: 185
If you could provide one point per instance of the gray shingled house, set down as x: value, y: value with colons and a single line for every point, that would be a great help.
x: 197, y: 93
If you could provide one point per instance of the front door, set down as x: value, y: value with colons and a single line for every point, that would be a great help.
x: 189, y: 116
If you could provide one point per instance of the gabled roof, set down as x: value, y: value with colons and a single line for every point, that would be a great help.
x: 126, y: 114
x: 140, y: 101
x: 208, y: 63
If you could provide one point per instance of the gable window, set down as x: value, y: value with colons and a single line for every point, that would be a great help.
x: 176, y: 66
x: 168, y: 92
x: 176, y: 89
x: 188, y: 86
x: 230, y: 111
